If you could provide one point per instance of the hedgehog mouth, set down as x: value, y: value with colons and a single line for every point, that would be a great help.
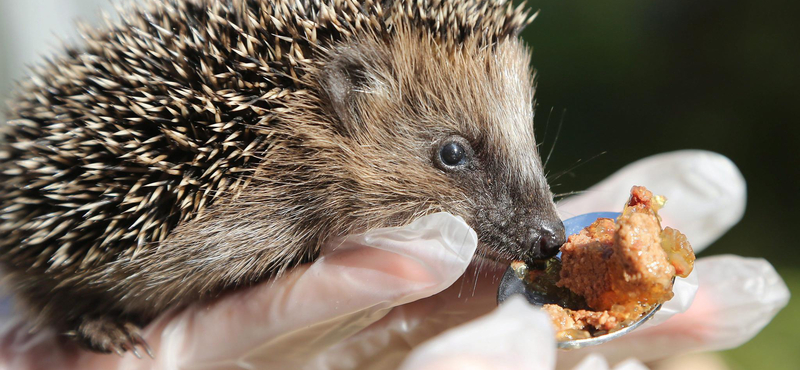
x: 505, y: 254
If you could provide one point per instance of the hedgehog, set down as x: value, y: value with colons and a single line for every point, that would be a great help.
x: 193, y: 147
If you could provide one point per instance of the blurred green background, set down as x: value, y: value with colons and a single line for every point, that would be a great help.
x: 711, y: 74
x: 685, y: 74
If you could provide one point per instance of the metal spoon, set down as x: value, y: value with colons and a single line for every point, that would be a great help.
x: 511, y: 284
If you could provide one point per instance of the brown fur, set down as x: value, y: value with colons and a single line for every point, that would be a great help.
x: 206, y: 145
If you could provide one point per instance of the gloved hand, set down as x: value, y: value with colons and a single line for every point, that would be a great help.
x: 388, y: 299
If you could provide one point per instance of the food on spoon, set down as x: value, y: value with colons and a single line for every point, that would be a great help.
x: 612, y: 272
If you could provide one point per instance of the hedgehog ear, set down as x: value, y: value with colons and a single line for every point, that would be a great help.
x: 345, y: 80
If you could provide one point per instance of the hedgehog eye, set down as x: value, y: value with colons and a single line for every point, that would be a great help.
x: 453, y: 153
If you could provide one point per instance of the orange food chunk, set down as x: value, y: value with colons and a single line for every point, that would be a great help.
x: 621, y: 268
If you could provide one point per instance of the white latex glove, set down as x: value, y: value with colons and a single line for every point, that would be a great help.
x: 360, y: 306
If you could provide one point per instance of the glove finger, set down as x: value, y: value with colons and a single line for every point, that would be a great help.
x: 593, y: 361
x: 514, y: 336
x: 356, y: 282
x: 385, y: 343
x: 630, y: 364
x: 737, y: 297
x: 596, y: 361
x: 706, y: 193
x: 286, y: 322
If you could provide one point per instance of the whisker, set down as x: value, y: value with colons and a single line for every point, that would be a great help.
x: 558, y: 133
x: 570, y: 193
x: 577, y: 164
x: 561, y: 195
x: 546, y: 126
x: 477, y: 276
x: 461, y: 288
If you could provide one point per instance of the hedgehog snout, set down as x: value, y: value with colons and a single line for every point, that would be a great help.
x: 544, y: 240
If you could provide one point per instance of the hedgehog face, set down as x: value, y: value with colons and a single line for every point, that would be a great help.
x: 432, y: 127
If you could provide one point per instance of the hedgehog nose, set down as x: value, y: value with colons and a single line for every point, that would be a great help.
x: 547, y: 239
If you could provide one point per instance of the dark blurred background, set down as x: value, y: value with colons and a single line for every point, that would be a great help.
x: 635, y: 78
x: 638, y: 78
